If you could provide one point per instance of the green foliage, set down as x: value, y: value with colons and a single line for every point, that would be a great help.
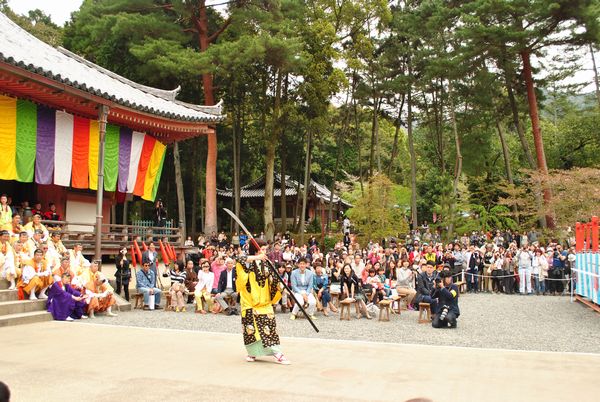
x: 376, y: 214
x: 37, y: 23
x: 314, y: 226
x: 253, y: 219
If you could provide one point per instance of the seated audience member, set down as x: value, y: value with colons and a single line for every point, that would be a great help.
x: 122, y: 273
x: 36, y: 224
x: 177, y: 291
x: 284, y: 272
x: 7, y: 260
x: 405, y: 283
x: 351, y: 288
x: 52, y: 215
x: 36, y: 276
x: 217, y: 266
x: 447, y: 294
x: 14, y: 228
x: 203, y: 288
x: 191, y: 279
x: 426, y: 286
x: 145, y: 284
x: 383, y: 288
x: 227, y: 287
x: 302, y: 285
x: 370, y: 285
x: 64, y: 302
x: 37, y: 209
x: 99, y: 292
x: 321, y: 288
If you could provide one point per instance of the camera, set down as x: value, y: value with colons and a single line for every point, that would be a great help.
x: 444, y: 312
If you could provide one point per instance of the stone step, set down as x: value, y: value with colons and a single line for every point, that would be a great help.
x: 4, y: 284
x: 8, y: 295
x: 24, y: 318
x: 21, y: 306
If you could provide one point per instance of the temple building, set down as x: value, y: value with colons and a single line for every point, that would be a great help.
x: 78, y: 135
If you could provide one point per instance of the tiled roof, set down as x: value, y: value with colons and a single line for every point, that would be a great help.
x: 23, y: 50
x: 256, y: 189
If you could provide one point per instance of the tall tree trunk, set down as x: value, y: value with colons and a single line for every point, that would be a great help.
x: 537, y: 132
x: 506, y: 155
x: 306, y: 184
x: 272, y: 140
x: 458, y: 163
x: 332, y: 191
x: 372, y: 148
x: 413, y: 162
x: 359, y: 145
x: 515, y: 109
x: 283, y: 197
x: 236, y: 165
x: 596, y: 81
x: 179, y: 186
x: 396, y: 135
x: 297, y: 208
x: 376, y: 130
x: 196, y: 185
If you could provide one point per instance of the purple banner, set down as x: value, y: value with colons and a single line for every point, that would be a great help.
x: 124, y: 157
x: 44, y: 162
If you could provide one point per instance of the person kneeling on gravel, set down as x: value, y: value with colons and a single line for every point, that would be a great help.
x: 447, y: 294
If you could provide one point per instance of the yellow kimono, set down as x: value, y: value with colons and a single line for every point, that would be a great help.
x: 14, y: 231
x: 259, y: 291
x: 30, y: 228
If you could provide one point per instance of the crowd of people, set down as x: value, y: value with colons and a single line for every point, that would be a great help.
x: 418, y: 268
x: 34, y: 260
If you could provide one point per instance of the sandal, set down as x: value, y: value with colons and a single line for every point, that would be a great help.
x: 281, y: 359
x: 250, y: 359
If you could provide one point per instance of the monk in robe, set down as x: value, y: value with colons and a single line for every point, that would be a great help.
x: 56, y: 246
x: 100, y: 293
x: 36, y: 224
x: 36, y: 276
x: 78, y: 261
x: 259, y: 291
x: 14, y: 228
x: 28, y: 244
x: 63, y: 268
x: 7, y: 260
x: 64, y: 302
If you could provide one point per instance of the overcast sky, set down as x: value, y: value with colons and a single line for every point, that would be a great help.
x: 60, y: 11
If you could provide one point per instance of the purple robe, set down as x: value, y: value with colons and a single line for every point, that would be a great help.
x: 61, y: 304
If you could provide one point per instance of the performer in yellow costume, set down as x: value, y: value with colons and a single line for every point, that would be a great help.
x: 259, y: 291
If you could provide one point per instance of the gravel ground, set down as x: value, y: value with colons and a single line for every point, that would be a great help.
x: 541, y: 323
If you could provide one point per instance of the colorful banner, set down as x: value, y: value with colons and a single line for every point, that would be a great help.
x: 50, y: 146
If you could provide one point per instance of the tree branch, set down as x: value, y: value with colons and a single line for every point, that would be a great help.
x: 218, y: 32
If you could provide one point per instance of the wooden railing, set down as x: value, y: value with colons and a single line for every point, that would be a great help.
x: 114, y: 236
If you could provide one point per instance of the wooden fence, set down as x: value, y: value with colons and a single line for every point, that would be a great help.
x: 114, y: 236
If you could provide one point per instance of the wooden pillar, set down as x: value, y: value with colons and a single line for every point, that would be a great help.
x: 595, y: 234
x: 102, y: 116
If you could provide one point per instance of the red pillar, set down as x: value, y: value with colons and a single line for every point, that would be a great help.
x: 578, y: 237
x: 595, y: 234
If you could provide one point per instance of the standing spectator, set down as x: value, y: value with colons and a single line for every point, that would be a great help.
x: 524, y: 260
x: 5, y: 211
x: 151, y: 257
x: 346, y: 226
x: 160, y: 214
x: 476, y: 265
x: 559, y: 258
x: 540, y: 271
x: 509, y: 273
x: 302, y: 285
x: 123, y: 273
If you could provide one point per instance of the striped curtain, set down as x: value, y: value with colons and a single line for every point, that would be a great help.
x: 54, y: 147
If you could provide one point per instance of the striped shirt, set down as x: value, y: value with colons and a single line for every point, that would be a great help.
x: 177, y: 277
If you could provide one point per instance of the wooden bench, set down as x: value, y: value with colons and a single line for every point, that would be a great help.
x: 335, y: 298
x: 424, y: 309
x: 168, y: 306
x: 384, y: 310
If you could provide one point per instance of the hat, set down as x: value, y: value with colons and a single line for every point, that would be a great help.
x: 429, y: 262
